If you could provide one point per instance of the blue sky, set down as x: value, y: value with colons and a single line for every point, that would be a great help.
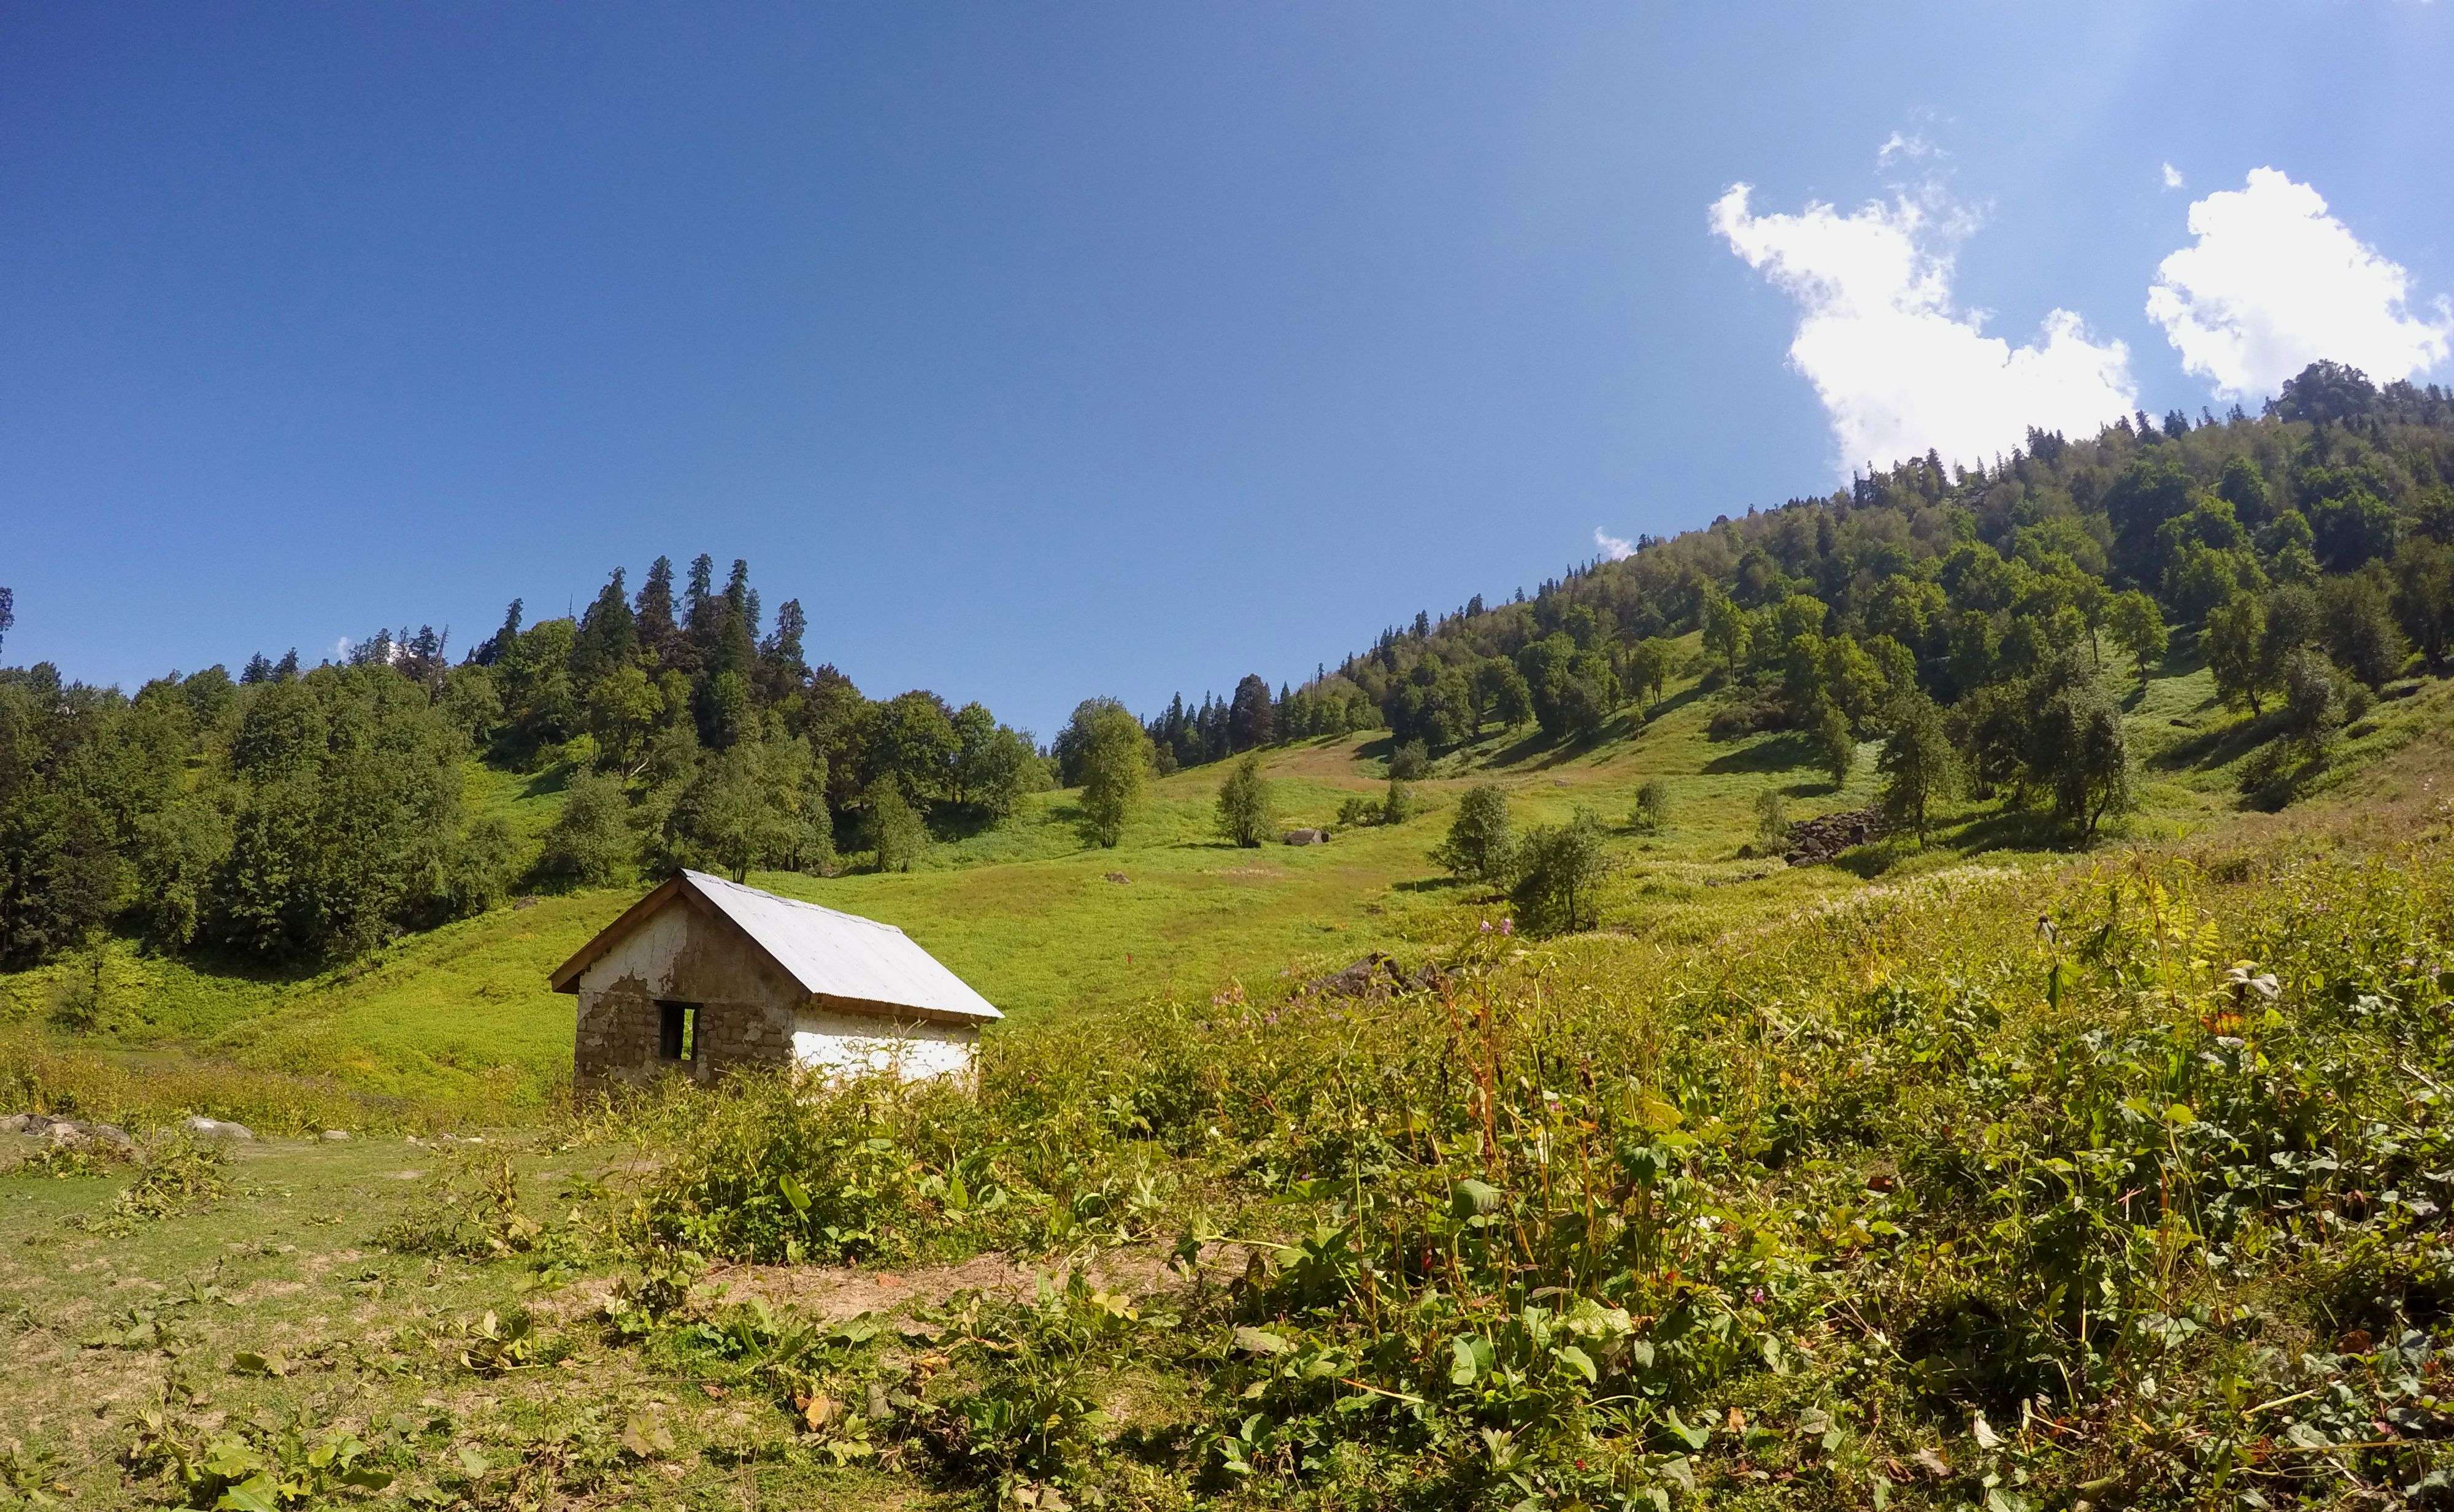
x: 1046, y: 350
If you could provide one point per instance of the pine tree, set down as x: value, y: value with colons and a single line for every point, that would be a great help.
x: 742, y: 598
x: 698, y: 618
x: 653, y: 616
x: 608, y: 635
x: 499, y: 645
x: 782, y: 668
x: 1250, y: 720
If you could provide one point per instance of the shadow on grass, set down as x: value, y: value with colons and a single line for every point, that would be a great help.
x: 2009, y: 830
x: 550, y: 781
x: 950, y: 825
x: 2217, y: 747
x: 1780, y: 754
x: 1522, y: 749
x: 1692, y: 692
x: 220, y: 960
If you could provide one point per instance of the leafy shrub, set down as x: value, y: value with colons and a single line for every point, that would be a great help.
x: 1245, y: 812
x: 173, y: 1176
x: 589, y: 842
x: 259, y: 1465
x: 471, y: 1209
x: 1481, y: 846
x: 1396, y: 806
x: 1748, y: 713
x: 1410, y: 762
x: 1652, y: 812
x: 1772, y: 821
x: 768, y: 1170
x: 1560, y: 871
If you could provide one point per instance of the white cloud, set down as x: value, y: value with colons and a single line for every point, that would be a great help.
x: 2172, y: 177
x: 1899, y: 367
x: 2274, y: 283
x: 1612, y: 547
x: 1903, y: 144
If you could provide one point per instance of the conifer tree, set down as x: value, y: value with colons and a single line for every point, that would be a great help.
x: 653, y: 616
x: 608, y: 635
x: 698, y: 617
x: 1248, y: 715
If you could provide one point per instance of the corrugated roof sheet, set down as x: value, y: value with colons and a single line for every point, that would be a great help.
x: 843, y: 955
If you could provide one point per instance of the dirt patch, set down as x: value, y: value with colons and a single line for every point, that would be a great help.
x: 834, y: 1293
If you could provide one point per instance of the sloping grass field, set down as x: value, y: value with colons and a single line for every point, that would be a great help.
x: 2014, y: 1181
x: 456, y: 1026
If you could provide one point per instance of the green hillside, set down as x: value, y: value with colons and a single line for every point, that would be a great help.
x: 2095, y: 1178
x: 457, y: 1026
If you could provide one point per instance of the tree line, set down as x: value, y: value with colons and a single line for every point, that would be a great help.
x: 301, y: 815
x: 1975, y: 618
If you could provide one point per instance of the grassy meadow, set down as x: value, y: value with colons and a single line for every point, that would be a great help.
x: 1882, y: 1192
x: 456, y: 1027
x: 1985, y: 1172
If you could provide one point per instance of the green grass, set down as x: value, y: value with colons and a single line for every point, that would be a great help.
x: 313, y: 1263
x: 457, y: 1025
x: 1913, y: 1162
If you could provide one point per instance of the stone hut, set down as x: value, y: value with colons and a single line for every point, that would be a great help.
x: 703, y: 975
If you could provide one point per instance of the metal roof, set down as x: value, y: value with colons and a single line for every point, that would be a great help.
x: 858, y: 961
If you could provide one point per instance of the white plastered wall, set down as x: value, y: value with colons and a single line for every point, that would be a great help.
x: 834, y: 1043
x: 648, y: 952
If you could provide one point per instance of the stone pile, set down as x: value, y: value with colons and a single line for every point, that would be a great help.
x: 1828, y: 835
x: 1377, y: 975
x: 63, y: 1134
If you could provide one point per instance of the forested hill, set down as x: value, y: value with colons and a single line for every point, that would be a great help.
x: 1972, y: 620
x: 295, y: 816
x: 2323, y: 522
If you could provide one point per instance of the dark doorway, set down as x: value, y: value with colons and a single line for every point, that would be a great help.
x: 678, y: 1031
